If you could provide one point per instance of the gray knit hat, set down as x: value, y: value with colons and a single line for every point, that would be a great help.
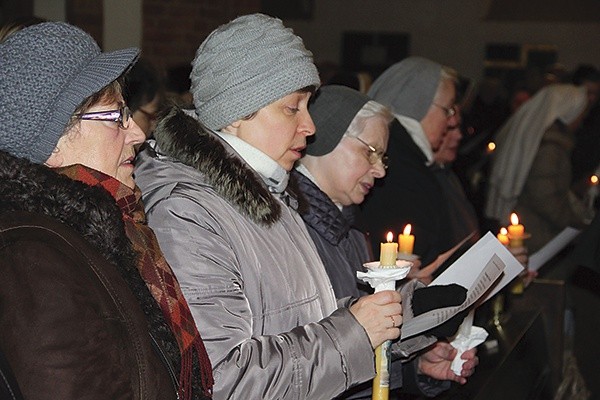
x: 46, y: 71
x: 408, y: 87
x: 332, y: 110
x: 245, y: 65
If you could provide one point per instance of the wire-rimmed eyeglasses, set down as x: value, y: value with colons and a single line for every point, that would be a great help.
x: 122, y: 116
x: 374, y: 155
x: 450, y: 111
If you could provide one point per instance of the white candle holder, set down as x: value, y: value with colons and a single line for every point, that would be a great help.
x: 383, y: 278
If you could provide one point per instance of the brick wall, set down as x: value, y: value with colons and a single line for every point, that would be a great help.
x: 86, y: 14
x: 173, y: 29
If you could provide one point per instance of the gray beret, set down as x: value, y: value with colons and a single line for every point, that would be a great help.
x: 245, y: 65
x: 408, y: 87
x: 46, y: 71
x: 332, y: 110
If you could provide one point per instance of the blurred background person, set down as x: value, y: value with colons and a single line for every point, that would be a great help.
x: 178, y: 85
x: 16, y: 25
x: 143, y: 93
x: 531, y: 167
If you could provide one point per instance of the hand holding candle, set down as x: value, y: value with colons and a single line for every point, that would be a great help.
x: 406, y: 240
x: 389, y: 252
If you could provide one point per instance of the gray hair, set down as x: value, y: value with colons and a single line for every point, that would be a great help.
x: 371, y: 109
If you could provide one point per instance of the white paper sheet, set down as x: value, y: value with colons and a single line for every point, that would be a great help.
x: 484, y: 269
x: 559, y: 242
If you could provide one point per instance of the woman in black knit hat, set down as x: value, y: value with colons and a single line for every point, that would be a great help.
x: 89, y: 308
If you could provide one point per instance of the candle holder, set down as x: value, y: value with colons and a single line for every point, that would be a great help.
x: 383, y: 278
x: 518, y: 240
x: 517, y: 287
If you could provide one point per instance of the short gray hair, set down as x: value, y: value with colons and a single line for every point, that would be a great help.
x: 371, y: 109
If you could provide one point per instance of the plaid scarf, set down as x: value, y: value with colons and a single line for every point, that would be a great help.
x: 157, y: 274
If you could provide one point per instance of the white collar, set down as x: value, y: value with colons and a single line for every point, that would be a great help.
x: 415, y: 130
x: 275, y: 176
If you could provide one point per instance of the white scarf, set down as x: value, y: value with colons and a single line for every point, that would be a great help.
x: 273, y: 174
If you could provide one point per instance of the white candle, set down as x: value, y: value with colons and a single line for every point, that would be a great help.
x: 406, y: 240
x: 389, y: 252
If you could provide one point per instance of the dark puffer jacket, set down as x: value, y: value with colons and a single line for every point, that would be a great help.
x: 71, y: 325
x: 342, y: 248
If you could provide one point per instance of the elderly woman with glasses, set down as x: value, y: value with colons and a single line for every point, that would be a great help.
x: 342, y: 162
x: 89, y: 306
x: 421, y: 95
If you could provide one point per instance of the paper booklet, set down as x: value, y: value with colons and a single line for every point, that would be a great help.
x: 552, y: 248
x: 483, y: 270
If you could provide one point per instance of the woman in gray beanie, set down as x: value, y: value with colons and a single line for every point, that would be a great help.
x: 421, y: 95
x: 219, y: 202
x: 90, y: 308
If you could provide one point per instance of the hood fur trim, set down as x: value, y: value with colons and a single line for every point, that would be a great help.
x: 184, y: 138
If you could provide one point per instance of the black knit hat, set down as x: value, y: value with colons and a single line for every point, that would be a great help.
x: 332, y: 110
x: 46, y: 71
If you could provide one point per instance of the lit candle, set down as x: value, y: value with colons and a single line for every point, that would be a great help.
x: 388, y: 252
x: 516, y: 234
x: 592, y: 193
x: 406, y: 240
x: 515, y: 231
x: 491, y: 146
x: 503, y: 236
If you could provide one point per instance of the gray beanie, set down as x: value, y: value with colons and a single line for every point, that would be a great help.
x: 332, y: 110
x: 46, y: 71
x: 245, y: 65
x: 408, y: 87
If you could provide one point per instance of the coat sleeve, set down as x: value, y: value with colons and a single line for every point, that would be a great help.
x: 549, y: 186
x: 317, y: 360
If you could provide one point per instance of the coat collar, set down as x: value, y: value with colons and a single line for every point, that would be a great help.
x: 91, y: 211
x: 182, y: 137
x: 320, y: 213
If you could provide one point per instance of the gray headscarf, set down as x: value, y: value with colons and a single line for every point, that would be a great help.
x: 408, y: 87
x: 518, y: 141
x: 245, y: 65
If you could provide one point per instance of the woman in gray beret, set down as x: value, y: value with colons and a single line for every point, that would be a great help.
x: 218, y: 198
x: 89, y: 306
x: 342, y: 162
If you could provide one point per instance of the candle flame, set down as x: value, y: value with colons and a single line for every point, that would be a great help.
x: 503, y: 231
x: 491, y: 146
x: 514, y: 220
x: 407, y: 229
x: 390, y: 237
x: 594, y: 180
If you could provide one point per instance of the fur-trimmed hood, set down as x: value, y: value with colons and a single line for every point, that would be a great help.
x: 182, y: 139
x: 91, y: 211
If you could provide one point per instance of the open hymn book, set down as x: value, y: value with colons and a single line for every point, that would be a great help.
x: 483, y: 270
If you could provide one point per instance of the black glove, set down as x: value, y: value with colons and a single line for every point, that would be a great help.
x: 433, y: 297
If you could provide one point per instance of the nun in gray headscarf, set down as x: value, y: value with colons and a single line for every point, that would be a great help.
x: 531, y: 170
x: 421, y: 95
